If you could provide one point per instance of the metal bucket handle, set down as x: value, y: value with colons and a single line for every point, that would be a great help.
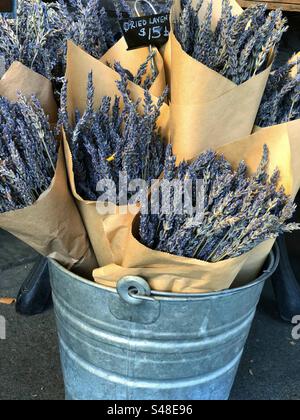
x: 135, y: 290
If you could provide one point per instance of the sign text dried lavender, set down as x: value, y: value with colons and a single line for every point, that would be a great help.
x: 146, y: 30
x: 142, y: 22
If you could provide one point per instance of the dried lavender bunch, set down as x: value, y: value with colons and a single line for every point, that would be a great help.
x: 124, y: 8
x: 35, y: 37
x: 240, y: 211
x: 38, y: 37
x: 140, y: 78
x: 281, y: 100
x: 28, y: 153
x: 87, y: 24
x: 108, y: 140
x: 239, y: 47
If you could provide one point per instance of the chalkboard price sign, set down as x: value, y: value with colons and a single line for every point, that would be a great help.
x: 146, y: 30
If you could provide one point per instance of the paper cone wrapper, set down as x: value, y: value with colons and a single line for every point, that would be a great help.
x: 208, y: 110
x: 216, y: 14
x: 283, y: 142
x: 108, y: 233
x: 79, y: 65
x: 53, y: 226
x: 169, y: 273
x: 132, y: 60
x: 20, y: 78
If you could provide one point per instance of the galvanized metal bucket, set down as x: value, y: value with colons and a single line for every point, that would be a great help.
x: 135, y: 344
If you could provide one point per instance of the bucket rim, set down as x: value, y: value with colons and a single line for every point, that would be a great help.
x: 271, y: 266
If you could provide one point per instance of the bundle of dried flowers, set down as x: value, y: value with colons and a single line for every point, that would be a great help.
x: 240, y: 45
x: 281, y: 100
x: 35, y: 37
x: 87, y: 24
x: 123, y: 8
x: 240, y: 211
x: 28, y: 153
x: 141, y: 78
x: 108, y: 140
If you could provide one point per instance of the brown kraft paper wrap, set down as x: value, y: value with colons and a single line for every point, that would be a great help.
x: 288, y: 132
x: 108, y: 233
x: 53, y: 225
x: 287, y: 136
x: 207, y: 109
x: 132, y: 60
x: 20, y: 78
x: 170, y: 273
x: 283, y: 142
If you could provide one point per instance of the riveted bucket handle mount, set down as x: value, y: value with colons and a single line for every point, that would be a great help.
x: 133, y: 302
x: 134, y: 290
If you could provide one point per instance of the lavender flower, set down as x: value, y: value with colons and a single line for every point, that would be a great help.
x: 108, y: 140
x: 38, y: 37
x: 240, y: 211
x: 87, y: 25
x: 239, y: 48
x: 281, y: 100
x: 140, y: 78
x: 35, y: 37
x: 123, y: 8
x: 28, y: 153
